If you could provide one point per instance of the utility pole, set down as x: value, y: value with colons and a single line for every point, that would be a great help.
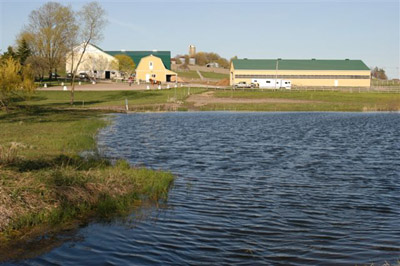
x: 276, y: 70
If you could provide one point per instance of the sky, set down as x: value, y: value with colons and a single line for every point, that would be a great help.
x: 326, y: 29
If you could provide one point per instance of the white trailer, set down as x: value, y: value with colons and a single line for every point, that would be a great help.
x: 287, y: 84
x: 272, y: 83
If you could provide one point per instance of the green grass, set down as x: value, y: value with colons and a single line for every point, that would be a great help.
x: 44, y: 184
x: 188, y: 74
x: 61, y: 99
x: 213, y: 75
x: 321, y: 101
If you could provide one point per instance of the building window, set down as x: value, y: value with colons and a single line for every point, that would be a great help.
x: 151, y: 65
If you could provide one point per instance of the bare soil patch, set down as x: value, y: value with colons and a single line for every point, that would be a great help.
x: 208, y: 97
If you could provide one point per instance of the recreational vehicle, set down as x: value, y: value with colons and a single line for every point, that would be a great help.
x: 272, y: 83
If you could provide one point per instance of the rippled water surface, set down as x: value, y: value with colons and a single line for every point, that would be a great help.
x: 255, y: 188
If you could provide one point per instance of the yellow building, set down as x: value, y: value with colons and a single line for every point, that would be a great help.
x: 152, y: 67
x: 333, y: 73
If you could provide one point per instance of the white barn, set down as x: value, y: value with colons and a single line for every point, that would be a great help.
x: 95, y: 62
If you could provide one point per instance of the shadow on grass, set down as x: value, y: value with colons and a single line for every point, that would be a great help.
x: 76, y: 162
x: 130, y: 95
x: 33, y: 114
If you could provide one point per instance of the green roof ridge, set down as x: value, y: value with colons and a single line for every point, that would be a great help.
x: 138, y: 55
x: 299, y: 64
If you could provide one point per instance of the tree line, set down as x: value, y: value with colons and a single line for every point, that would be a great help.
x: 204, y: 58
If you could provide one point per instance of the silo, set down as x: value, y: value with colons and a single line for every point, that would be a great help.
x: 192, y: 50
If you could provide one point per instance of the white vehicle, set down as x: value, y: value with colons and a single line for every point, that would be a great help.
x: 243, y: 84
x: 287, y: 84
x: 272, y: 83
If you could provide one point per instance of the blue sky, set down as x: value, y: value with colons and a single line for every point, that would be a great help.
x: 367, y: 30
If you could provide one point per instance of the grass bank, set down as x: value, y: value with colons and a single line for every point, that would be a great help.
x: 315, y: 101
x: 214, y: 75
x: 188, y: 74
x: 141, y: 100
x: 46, y: 185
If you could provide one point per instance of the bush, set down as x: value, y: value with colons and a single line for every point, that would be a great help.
x: 9, y: 154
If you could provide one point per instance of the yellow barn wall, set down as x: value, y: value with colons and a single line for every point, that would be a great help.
x: 307, y: 82
x: 158, y: 69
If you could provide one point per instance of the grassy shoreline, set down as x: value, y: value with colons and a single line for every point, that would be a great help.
x: 164, y: 100
x: 46, y: 186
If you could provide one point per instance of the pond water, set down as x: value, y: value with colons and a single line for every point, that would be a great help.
x: 254, y: 188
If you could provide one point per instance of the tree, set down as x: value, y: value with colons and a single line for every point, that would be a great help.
x: 14, y: 79
x: 223, y: 62
x: 201, y: 59
x: 23, y: 51
x: 10, y: 53
x: 92, y: 22
x: 233, y: 58
x: 379, y: 73
x: 125, y: 64
x: 39, y: 66
x: 47, y: 33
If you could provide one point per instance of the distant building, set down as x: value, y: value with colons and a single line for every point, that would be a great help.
x: 344, y: 73
x: 192, y: 50
x: 182, y: 60
x: 95, y: 62
x: 152, y: 67
x: 192, y: 61
x: 212, y: 64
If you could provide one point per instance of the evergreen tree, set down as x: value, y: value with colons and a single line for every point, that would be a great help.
x: 23, y: 51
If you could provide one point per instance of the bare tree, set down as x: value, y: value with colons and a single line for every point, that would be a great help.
x: 48, y: 32
x: 39, y: 66
x: 92, y: 22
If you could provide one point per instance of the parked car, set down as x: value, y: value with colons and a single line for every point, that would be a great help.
x: 243, y: 84
x: 84, y: 76
x: 54, y: 76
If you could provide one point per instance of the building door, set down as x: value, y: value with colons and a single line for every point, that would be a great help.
x: 108, y: 75
x: 147, y: 77
x: 336, y: 83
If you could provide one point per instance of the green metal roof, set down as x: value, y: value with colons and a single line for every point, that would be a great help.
x: 96, y: 47
x: 138, y: 55
x: 298, y: 64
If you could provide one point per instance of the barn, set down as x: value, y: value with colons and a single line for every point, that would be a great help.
x: 95, y: 62
x: 155, y: 65
x: 152, y: 67
x: 309, y: 73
